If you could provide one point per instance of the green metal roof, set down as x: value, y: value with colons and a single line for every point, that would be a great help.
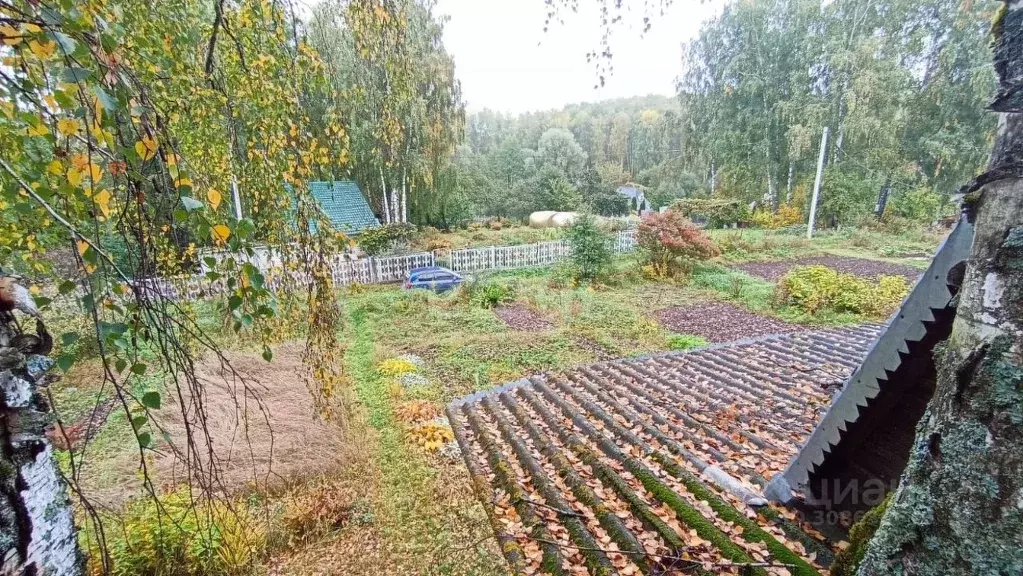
x: 343, y: 204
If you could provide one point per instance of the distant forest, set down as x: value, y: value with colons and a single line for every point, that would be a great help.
x: 902, y: 86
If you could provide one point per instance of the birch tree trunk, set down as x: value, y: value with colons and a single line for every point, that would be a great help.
x: 404, y: 195
x: 383, y: 195
x: 37, y: 532
x: 788, y: 185
x: 959, y: 507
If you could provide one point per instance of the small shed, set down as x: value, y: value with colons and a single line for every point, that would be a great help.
x: 344, y: 205
x: 637, y: 199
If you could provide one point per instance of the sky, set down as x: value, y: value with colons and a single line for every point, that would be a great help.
x: 506, y: 62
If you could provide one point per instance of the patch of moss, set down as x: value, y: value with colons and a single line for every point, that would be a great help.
x: 847, y: 562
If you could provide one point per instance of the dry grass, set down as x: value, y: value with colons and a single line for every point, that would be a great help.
x: 263, y: 433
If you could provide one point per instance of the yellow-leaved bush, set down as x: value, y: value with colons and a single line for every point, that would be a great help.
x: 786, y: 215
x: 177, y: 536
x: 816, y: 289
x: 394, y: 367
x: 431, y: 436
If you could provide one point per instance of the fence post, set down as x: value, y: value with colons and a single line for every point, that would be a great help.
x: 372, y: 270
x: 493, y: 257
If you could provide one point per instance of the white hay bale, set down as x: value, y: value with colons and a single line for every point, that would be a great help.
x: 541, y: 219
x: 563, y: 219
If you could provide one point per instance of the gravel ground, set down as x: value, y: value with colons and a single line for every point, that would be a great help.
x: 856, y: 266
x: 522, y: 318
x: 721, y: 322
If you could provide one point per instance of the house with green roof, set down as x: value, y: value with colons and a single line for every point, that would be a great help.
x: 344, y: 205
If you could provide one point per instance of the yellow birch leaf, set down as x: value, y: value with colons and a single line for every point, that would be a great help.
x: 11, y: 35
x: 221, y: 233
x: 42, y: 50
x: 74, y: 177
x: 55, y: 167
x: 214, y: 197
x: 32, y: 28
x: 102, y: 199
x: 68, y: 126
x: 183, y: 182
x: 82, y: 246
x: 95, y: 172
x: 39, y: 129
x: 146, y: 148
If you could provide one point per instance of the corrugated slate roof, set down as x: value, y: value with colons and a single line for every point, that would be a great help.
x: 344, y: 205
x: 652, y: 465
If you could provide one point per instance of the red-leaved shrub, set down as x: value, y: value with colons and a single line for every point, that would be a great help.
x: 672, y: 242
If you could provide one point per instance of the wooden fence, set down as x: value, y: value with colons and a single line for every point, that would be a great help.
x: 527, y: 255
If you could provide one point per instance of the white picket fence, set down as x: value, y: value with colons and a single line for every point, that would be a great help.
x: 527, y: 255
x: 343, y: 272
x: 380, y: 270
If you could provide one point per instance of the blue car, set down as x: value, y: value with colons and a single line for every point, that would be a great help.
x: 436, y: 278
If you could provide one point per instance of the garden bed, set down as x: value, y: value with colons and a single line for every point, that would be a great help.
x: 269, y: 434
x: 861, y: 267
x: 523, y: 318
x: 721, y: 322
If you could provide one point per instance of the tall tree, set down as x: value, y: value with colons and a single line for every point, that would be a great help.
x: 959, y: 506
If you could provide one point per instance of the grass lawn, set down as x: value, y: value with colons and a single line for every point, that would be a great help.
x: 412, y: 511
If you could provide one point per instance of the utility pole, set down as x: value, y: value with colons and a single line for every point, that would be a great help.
x: 817, y: 184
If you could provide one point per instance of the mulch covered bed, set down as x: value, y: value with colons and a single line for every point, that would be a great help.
x: 721, y: 322
x: 861, y: 267
x: 522, y: 318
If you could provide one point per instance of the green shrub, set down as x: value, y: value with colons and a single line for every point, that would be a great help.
x: 717, y: 212
x: 591, y: 249
x: 179, y: 537
x: 488, y: 294
x: 379, y: 240
x: 817, y: 289
x: 685, y: 341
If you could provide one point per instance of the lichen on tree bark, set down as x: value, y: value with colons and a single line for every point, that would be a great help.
x: 959, y: 507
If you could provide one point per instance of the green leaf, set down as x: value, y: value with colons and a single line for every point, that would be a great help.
x: 138, y: 422
x: 69, y: 338
x: 108, y: 103
x: 120, y: 365
x: 67, y: 44
x: 234, y: 302
x: 67, y: 286
x: 66, y: 361
x: 139, y: 368
x: 190, y: 203
x: 268, y: 354
x: 42, y: 301
x: 75, y: 74
x: 151, y: 400
x: 145, y: 439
